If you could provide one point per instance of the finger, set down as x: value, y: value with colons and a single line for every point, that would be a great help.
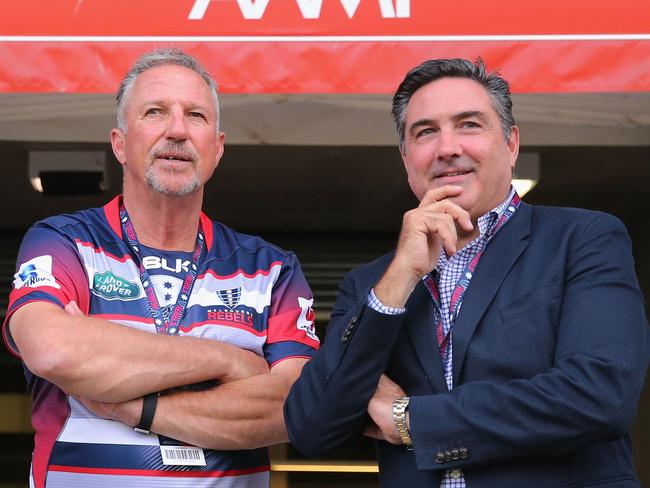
x: 373, y: 432
x: 388, y: 385
x: 386, y: 382
x: 449, y: 207
x: 441, y: 193
x: 443, y: 227
x: 73, y: 309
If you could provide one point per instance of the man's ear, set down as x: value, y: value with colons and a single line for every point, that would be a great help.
x: 221, y: 137
x: 513, y: 146
x: 402, y: 152
x: 117, y: 142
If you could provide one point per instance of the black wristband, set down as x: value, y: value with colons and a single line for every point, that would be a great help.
x: 149, y: 404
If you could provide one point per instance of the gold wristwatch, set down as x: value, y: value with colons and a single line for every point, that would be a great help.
x: 400, y: 405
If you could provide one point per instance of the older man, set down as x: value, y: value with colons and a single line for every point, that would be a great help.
x: 513, y: 338
x: 115, y: 310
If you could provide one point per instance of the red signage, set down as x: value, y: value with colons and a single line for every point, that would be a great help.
x: 325, y: 46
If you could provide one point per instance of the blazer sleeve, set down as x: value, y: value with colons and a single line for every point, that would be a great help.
x: 589, y: 394
x: 325, y: 411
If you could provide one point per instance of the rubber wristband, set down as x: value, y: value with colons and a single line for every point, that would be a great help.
x: 149, y: 404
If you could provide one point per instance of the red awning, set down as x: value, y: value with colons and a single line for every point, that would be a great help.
x: 327, y: 46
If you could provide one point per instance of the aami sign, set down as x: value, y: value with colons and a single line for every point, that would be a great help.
x: 309, y: 9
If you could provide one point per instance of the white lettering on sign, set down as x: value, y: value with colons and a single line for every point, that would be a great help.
x: 310, y: 9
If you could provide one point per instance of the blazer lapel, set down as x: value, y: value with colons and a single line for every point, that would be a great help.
x: 420, y: 323
x: 499, y: 257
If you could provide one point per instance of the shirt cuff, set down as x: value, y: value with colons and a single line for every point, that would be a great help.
x: 377, y: 306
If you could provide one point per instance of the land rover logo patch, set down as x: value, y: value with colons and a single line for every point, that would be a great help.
x: 112, y: 287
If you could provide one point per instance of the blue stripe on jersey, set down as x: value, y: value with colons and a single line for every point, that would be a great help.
x: 39, y: 296
x: 280, y: 350
x: 119, y: 456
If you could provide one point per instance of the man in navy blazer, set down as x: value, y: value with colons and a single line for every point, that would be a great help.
x: 500, y: 344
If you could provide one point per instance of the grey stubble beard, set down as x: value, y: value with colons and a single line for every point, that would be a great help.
x: 156, y: 185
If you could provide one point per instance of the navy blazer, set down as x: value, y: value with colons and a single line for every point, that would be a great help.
x: 550, y: 351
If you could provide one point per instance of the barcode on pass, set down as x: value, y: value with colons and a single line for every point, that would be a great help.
x: 182, y: 456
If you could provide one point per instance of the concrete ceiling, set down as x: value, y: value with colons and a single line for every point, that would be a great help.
x: 611, y: 119
x: 325, y: 163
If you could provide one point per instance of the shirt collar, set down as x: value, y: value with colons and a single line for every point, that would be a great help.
x: 486, y: 221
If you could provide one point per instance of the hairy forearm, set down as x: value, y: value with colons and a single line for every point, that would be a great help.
x: 242, y: 414
x: 109, y: 362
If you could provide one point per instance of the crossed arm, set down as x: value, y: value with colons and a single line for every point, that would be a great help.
x: 110, y: 367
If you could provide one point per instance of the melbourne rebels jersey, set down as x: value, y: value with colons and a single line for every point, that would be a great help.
x: 248, y: 293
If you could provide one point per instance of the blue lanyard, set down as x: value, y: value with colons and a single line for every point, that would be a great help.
x: 163, y: 326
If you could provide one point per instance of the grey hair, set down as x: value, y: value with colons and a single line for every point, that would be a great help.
x: 152, y: 59
x: 497, y: 88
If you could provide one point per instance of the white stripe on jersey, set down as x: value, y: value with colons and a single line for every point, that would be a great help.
x: 255, y: 290
x: 84, y: 427
x: 241, y: 338
x: 58, y: 479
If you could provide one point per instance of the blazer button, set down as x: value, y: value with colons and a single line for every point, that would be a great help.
x: 347, y: 332
x: 440, y: 457
x: 463, y: 452
x: 447, y: 456
x: 455, y: 454
x: 346, y: 336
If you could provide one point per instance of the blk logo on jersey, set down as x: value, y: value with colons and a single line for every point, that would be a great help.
x: 155, y: 262
x: 230, y: 298
x: 36, y: 272
x: 112, y: 287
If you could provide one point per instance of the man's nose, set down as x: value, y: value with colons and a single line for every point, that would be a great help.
x: 448, y: 145
x: 176, y: 126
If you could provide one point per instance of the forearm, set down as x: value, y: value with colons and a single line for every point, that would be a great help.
x: 105, y: 361
x: 326, y: 411
x: 242, y: 414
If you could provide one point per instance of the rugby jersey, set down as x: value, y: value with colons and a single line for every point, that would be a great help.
x: 248, y: 293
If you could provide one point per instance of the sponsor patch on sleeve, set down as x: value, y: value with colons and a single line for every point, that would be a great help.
x: 35, y: 273
x: 306, y: 318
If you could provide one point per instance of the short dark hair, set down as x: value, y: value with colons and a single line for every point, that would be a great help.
x: 152, y: 59
x: 497, y: 88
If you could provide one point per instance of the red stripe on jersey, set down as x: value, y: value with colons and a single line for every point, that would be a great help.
x: 17, y: 294
x: 166, y: 474
x: 207, y: 230
x: 288, y: 357
x: 224, y: 323
x: 112, y: 212
x: 243, y: 273
x: 284, y: 327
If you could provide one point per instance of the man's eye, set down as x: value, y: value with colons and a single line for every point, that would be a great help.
x: 470, y: 124
x: 153, y: 111
x: 424, y: 132
x: 198, y: 115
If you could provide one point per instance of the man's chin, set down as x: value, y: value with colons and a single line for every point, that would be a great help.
x: 174, y: 189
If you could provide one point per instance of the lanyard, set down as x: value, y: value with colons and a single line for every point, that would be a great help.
x: 170, y: 325
x: 463, y: 282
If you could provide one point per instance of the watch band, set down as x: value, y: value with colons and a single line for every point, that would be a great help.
x: 149, y: 404
x: 400, y: 405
